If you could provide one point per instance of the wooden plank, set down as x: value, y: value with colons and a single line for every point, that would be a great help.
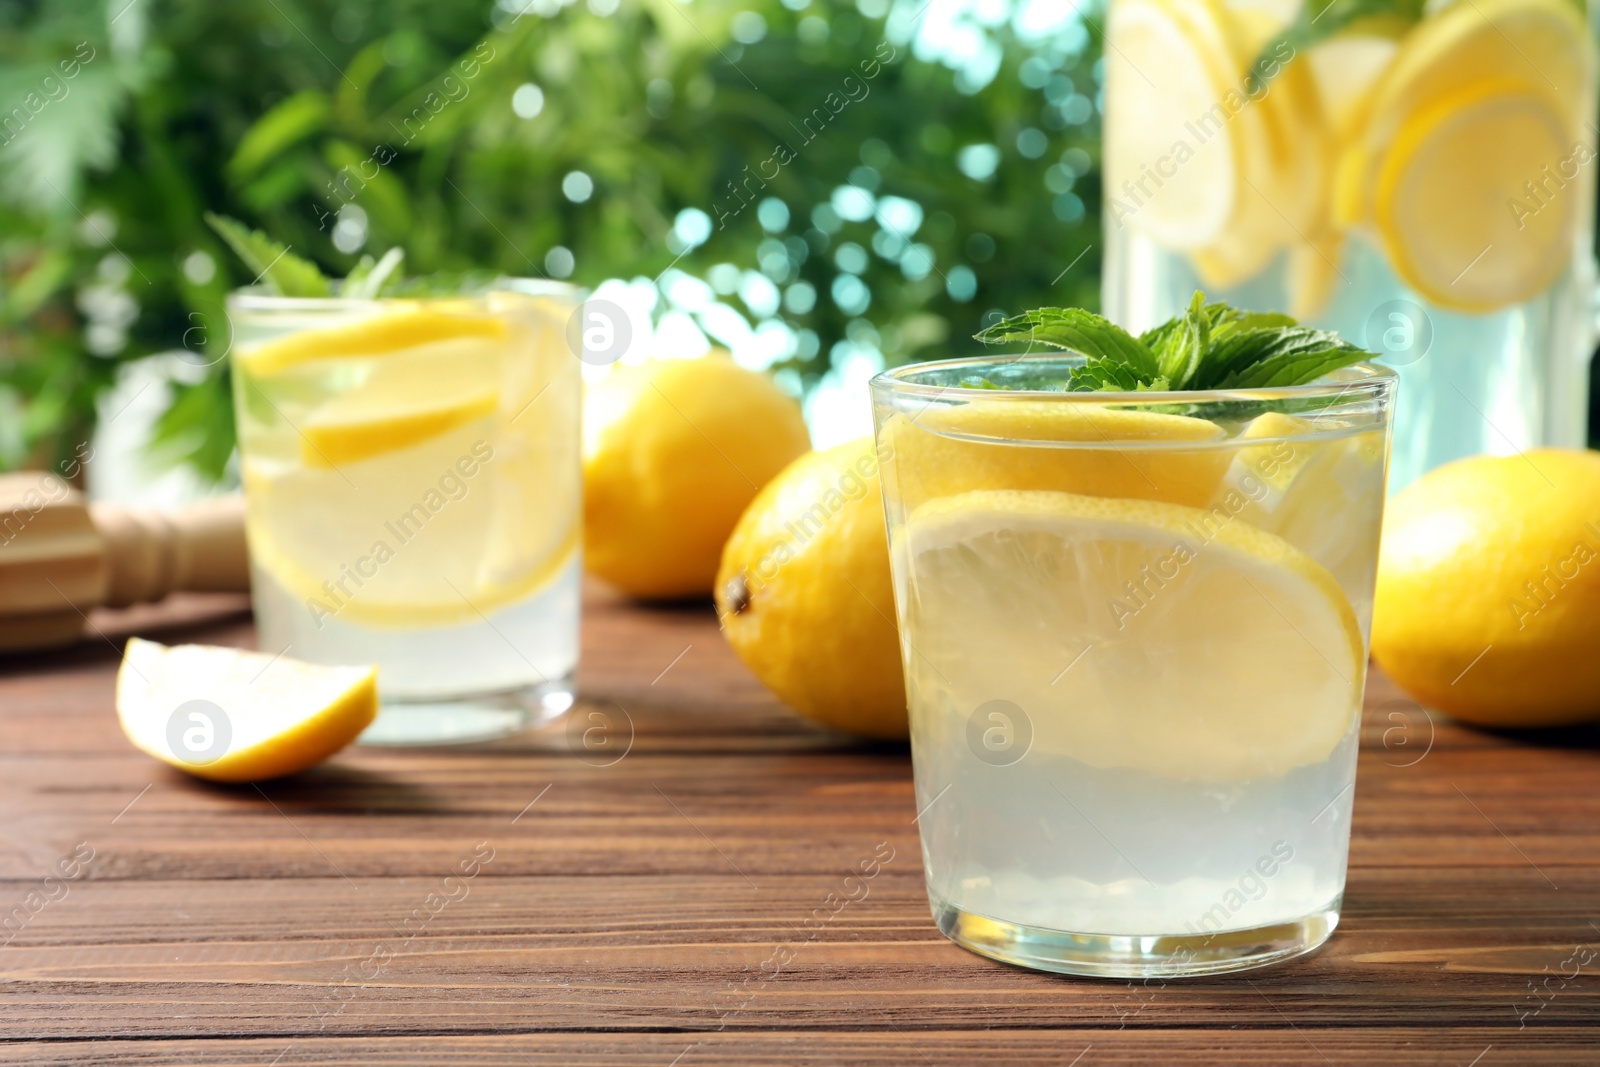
x: 628, y: 909
x: 1396, y: 1046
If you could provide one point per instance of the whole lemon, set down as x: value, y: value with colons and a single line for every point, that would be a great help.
x: 674, y: 450
x: 1488, y: 600
x: 805, y: 596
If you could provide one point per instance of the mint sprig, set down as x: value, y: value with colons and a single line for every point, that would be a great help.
x: 282, y: 271
x: 1209, y: 346
x: 287, y: 274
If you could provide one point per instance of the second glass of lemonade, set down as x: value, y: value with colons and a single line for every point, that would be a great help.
x: 411, y: 471
x: 1134, y: 631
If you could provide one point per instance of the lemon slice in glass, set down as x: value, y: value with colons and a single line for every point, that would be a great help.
x: 404, y: 401
x: 1200, y: 648
x: 1030, y: 444
x: 396, y: 326
x: 237, y: 716
x: 1313, y: 489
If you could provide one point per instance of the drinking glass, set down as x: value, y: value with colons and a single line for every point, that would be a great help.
x: 1422, y: 183
x: 413, y: 492
x: 1134, y: 630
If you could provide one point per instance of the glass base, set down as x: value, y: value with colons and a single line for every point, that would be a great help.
x: 1133, y: 956
x: 460, y: 720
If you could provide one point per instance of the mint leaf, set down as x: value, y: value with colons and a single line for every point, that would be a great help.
x: 1078, y: 331
x: 1282, y: 356
x: 1185, y: 345
x: 368, y: 278
x: 1209, y: 346
x: 285, y: 273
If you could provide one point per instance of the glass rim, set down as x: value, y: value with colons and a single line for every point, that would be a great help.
x: 1364, y: 380
x: 258, y: 298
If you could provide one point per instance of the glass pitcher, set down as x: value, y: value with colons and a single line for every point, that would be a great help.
x: 1417, y: 176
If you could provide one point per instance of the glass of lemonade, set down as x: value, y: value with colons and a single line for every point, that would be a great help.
x: 411, y: 473
x: 1419, y: 178
x: 1134, y: 630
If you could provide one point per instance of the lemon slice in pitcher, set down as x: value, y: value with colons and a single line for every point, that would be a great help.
x: 1478, y: 100
x: 1452, y: 208
x: 1210, y: 650
x: 1162, y: 72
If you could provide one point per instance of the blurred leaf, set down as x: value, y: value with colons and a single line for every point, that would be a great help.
x: 283, y: 271
x: 198, y: 427
x: 286, y: 124
x: 369, y: 278
x: 43, y: 165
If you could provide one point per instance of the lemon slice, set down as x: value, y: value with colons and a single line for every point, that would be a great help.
x: 404, y: 401
x: 402, y: 327
x: 1317, y: 487
x: 1163, y: 72
x: 236, y: 716
x: 1199, y: 647
x: 1036, y: 444
x: 1440, y: 186
x: 1451, y: 205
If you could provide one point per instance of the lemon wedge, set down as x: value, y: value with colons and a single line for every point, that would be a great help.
x: 404, y: 401
x: 1032, y: 444
x: 395, y: 328
x: 1199, y: 647
x: 236, y: 716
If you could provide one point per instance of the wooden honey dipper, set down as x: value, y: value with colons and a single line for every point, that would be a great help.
x: 61, y: 556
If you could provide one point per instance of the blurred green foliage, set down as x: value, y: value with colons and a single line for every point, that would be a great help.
x: 604, y: 140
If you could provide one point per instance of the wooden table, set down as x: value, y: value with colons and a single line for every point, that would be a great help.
x: 622, y: 913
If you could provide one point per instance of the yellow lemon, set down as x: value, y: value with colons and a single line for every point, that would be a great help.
x: 805, y: 596
x: 1133, y: 634
x: 1488, y: 603
x: 1017, y: 444
x: 236, y: 716
x: 674, y: 450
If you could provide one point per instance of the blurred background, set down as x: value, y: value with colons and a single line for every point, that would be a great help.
x: 822, y: 187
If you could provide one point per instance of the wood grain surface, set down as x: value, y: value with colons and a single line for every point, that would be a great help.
x: 625, y: 895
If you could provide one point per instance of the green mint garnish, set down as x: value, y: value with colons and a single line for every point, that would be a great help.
x: 1209, y: 346
x: 286, y: 274
x: 283, y: 272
